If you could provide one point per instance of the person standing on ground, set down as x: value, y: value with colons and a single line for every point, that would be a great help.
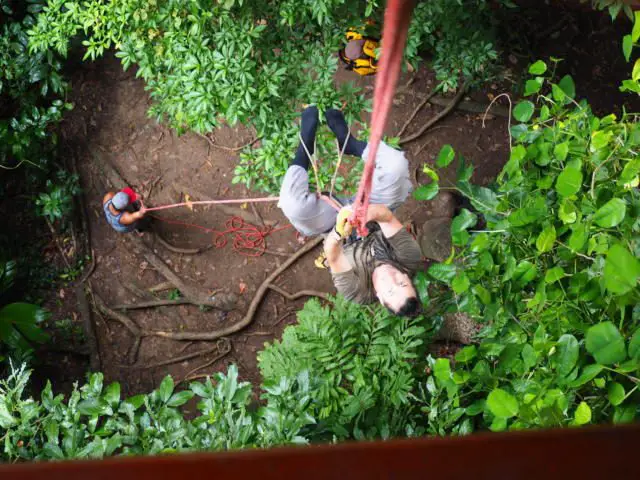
x: 363, y: 269
x: 124, y: 212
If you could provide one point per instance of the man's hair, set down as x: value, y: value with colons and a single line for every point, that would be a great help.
x: 411, y: 308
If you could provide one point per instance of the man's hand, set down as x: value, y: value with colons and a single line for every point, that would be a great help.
x: 343, y: 227
x: 389, y: 224
x: 140, y: 213
x: 336, y: 258
x: 379, y: 213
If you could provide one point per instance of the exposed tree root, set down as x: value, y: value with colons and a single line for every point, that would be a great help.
x: 161, y: 287
x: 301, y: 293
x: 222, y: 301
x: 228, y: 149
x: 224, y: 347
x: 178, y: 359
x: 183, y: 251
x: 152, y: 304
x: 92, y: 266
x: 54, y: 235
x: 437, y: 118
x: 415, y: 112
x: 88, y: 325
x: 284, y: 316
x: 468, y: 106
x: 129, y: 324
x: 88, y: 328
x: 248, y: 318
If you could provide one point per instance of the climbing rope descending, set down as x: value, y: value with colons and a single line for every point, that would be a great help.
x: 394, y: 36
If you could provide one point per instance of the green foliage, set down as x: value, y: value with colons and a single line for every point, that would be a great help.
x: 613, y: 7
x: 255, y: 62
x: 553, y: 276
x: 628, y: 43
x: 244, y: 61
x: 96, y: 422
x: 459, y: 53
x: 359, y: 362
x: 31, y: 91
x: 343, y: 372
x: 56, y: 203
x: 19, y: 321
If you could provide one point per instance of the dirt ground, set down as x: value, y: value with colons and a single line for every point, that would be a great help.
x: 109, y: 125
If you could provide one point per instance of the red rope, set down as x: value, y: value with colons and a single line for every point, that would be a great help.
x: 397, y: 16
x: 248, y: 239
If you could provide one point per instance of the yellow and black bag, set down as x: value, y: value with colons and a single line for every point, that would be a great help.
x: 363, y: 49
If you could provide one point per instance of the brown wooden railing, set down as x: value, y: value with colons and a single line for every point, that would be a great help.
x: 597, y: 452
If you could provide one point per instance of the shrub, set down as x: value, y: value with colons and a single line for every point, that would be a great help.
x: 31, y: 91
x: 255, y: 62
x: 345, y: 371
x: 360, y: 366
x: 19, y: 321
x: 553, y: 276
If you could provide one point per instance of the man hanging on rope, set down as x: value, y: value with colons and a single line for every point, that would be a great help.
x: 378, y: 266
x: 124, y: 212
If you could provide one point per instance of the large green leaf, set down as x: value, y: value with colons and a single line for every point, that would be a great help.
x: 561, y: 151
x: 554, y: 274
x: 630, y: 171
x: 180, y: 398
x: 588, y: 373
x: 546, y: 239
x: 567, y: 352
x: 442, y: 370
x: 538, y: 68
x: 523, y: 111
x: 502, y: 404
x: 443, y: 272
x: 166, y: 388
x: 460, y: 283
x: 421, y: 282
x: 524, y: 273
x: 568, y: 86
x: 466, y: 354
x: 25, y: 317
x: 446, y: 156
x: 582, y: 415
x: 464, y: 220
x: 568, y: 212
x: 621, y: 270
x: 532, y: 86
x: 569, y: 182
x: 426, y: 192
x: 635, y: 32
x: 634, y: 345
x: 611, y: 213
x: 579, y: 236
x: 606, y: 344
x: 627, y: 46
x: 482, y: 198
x: 615, y: 393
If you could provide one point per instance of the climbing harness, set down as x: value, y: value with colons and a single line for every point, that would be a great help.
x: 314, y: 165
